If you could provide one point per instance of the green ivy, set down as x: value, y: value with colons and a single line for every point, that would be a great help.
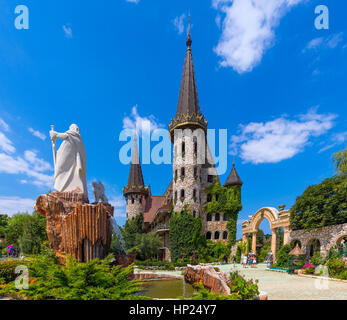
x: 226, y: 200
x: 185, y: 235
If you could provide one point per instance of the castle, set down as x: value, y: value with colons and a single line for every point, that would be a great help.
x: 190, y: 177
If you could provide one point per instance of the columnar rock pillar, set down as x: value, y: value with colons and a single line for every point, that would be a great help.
x: 254, y: 242
x: 274, y: 243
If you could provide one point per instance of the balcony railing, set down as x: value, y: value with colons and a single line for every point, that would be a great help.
x: 161, y: 227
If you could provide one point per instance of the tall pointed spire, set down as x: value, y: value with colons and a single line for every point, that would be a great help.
x: 188, y: 109
x: 135, y: 174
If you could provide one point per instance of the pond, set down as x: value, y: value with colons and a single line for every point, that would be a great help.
x: 167, y: 289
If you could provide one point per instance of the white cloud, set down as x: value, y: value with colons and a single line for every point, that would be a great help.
x: 31, y: 166
x: 337, y: 139
x: 37, y: 134
x: 6, y: 144
x: 179, y: 23
x: 279, y: 139
x: 133, y: 1
x: 12, y: 205
x: 141, y: 124
x: 67, y: 31
x: 248, y: 30
x: 329, y: 42
x: 4, y: 125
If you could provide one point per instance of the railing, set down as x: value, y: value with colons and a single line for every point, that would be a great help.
x: 161, y: 227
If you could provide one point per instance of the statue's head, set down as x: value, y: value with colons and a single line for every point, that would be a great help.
x: 75, y: 128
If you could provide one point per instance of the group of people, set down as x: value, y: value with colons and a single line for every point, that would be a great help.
x: 251, y: 260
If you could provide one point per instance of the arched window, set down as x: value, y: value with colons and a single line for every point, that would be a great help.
x: 175, y: 174
x: 194, y: 213
x: 209, y: 198
x: 132, y: 200
x: 216, y: 235
x: 217, y: 217
x: 194, y: 195
x: 182, y: 194
x: 225, y: 217
x: 183, y: 172
x: 175, y: 196
x: 208, y: 235
x: 183, y: 148
x: 195, y: 173
x: 225, y: 235
x: 195, y: 140
x: 209, y: 217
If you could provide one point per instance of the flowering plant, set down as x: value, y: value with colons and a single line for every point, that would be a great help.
x: 308, y: 265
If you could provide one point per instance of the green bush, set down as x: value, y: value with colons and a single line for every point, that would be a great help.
x: 7, y: 270
x: 317, y: 259
x: 336, y: 267
x: 94, y: 280
x: 342, y: 275
x: 147, y: 245
x: 246, y: 289
x: 283, y: 258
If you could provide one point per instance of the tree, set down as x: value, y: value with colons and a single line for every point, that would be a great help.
x: 340, y: 161
x: 131, y: 229
x: 26, y: 231
x: 283, y: 257
x: 321, y: 205
x: 147, y: 245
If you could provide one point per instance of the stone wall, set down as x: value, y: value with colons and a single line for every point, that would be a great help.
x: 327, y: 236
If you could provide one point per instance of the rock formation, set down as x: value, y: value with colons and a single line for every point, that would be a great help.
x: 75, y: 227
x: 215, y: 281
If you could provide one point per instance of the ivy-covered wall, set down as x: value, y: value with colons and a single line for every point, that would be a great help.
x: 226, y: 200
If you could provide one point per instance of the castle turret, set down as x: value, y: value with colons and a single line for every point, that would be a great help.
x: 135, y: 192
x: 187, y: 170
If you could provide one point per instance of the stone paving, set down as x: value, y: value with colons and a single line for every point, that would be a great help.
x: 282, y: 286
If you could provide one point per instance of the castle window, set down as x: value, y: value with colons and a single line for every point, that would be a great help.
x: 175, y: 196
x: 209, y: 198
x: 217, y: 217
x: 132, y: 200
x: 225, y: 235
x: 182, y: 194
x: 209, y: 217
x: 195, y: 173
x: 216, y: 235
x: 140, y: 200
x: 183, y: 173
x: 225, y: 217
x: 194, y: 213
x: 175, y: 174
x: 194, y: 195
x: 208, y: 235
x: 209, y: 178
x: 183, y: 149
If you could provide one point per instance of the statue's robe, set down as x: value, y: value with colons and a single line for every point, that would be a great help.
x: 70, y: 166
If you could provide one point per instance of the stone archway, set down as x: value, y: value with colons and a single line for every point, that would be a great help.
x: 277, y: 219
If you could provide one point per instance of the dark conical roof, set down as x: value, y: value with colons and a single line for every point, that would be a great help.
x: 135, y: 174
x: 188, y: 110
x: 188, y: 102
x: 233, y: 178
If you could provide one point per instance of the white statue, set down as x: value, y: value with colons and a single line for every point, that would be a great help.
x: 99, y: 192
x: 69, y: 160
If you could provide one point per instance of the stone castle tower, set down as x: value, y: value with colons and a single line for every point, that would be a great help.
x: 193, y: 168
x: 135, y: 192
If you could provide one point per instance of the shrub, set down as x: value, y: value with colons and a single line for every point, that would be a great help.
x: 94, y: 280
x: 336, y: 267
x: 342, y: 276
x: 246, y: 289
x: 283, y: 258
x: 317, y: 259
x: 7, y: 270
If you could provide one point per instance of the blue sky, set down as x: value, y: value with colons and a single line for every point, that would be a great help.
x: 264, y: 72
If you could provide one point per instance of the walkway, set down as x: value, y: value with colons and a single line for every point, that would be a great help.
x: 282, y: 286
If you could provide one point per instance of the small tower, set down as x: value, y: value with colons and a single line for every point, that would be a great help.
x: 135, y: 192
x: 234, y: 181
x: 187, y: 171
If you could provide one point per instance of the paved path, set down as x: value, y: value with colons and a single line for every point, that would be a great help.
x: 282, y: 286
